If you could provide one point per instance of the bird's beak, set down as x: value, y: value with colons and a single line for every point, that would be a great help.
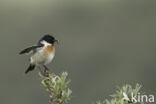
x: 57, y: 41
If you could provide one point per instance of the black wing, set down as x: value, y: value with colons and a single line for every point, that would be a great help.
x: 27, y: 50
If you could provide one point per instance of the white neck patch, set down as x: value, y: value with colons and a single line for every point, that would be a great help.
x: 45, y: 43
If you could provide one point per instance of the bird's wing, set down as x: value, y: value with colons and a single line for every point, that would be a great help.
x: 30, y: 49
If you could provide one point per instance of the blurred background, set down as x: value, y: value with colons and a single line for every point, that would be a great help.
x: 103, y: 44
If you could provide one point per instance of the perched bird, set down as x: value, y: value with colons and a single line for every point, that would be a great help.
x: 42, y: 53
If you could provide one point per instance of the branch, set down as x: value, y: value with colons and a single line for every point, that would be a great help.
x: 123, y: 95
x: 59, y: 93
x: 57, y: 87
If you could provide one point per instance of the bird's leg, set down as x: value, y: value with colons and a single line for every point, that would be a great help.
x: 46, y: 71
x: 45, y: 67
x: 41, y: 70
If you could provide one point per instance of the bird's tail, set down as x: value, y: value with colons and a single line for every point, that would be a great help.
x: 30, y: 68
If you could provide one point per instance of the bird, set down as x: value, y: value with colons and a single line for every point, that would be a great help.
x: 42, y: 53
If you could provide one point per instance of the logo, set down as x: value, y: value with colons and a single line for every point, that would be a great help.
x: 138, y: 98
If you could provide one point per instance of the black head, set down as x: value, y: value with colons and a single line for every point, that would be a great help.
x: 49, y: 39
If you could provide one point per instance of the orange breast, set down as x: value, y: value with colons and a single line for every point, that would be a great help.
x: 50, y: 49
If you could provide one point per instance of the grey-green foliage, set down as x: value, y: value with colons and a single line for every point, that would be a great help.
x: 57, y: 87
x: 117, y: 98
x: 59, y: 93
